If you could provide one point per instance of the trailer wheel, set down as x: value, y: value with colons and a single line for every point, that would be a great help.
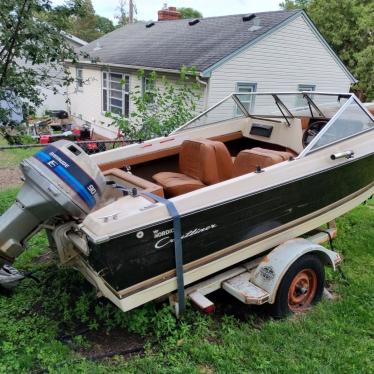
x: 301, y: 286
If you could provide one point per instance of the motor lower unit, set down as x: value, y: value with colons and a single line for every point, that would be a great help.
x: 61, y: 182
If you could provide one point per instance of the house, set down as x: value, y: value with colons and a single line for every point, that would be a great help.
x: 57, y: 100
x: 268, y: 51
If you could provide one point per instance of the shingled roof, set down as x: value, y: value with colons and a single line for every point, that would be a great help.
x: 172, y: 44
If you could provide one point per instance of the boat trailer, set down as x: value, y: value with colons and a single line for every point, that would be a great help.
x: 256, y: 282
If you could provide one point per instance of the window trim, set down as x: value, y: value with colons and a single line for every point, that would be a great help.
x: 79, y: 80
x: 237, y: 112
x: 125, y: 94
x: 304, y: 87
x: 144, y: 89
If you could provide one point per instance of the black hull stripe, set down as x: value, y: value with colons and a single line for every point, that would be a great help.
x: 128, y: 260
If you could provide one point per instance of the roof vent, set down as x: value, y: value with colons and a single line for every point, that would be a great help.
x: 256, y: 25
x: 248, y: 17
x: 194, y: 22
x: 149, y: 24
x: 98, y: 46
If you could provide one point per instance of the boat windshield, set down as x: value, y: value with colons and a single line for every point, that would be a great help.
x: 352, y: 119
x: 278, y: 107
x: 335, y: 116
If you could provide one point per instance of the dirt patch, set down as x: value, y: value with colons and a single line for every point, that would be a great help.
x: 10, y: 178
x: 118, y: 342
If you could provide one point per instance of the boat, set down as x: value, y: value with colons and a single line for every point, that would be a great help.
x: 144, y: 220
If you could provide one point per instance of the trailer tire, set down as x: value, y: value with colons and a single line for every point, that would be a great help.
x: 300, y: 287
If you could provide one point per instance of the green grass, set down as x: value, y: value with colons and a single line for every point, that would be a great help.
x: 11, y: 158
x: 334, y: 337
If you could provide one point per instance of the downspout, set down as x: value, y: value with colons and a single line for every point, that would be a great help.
x: 205, y: 84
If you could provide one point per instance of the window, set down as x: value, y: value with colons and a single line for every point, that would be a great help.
x: 246, y: 100
x: 303, y: 87
x: 79, y: 79
x: 351, y: 121
x: 116, y: 87
x: 148, y: 86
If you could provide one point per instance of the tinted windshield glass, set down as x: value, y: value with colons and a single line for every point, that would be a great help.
x: 351, y: 121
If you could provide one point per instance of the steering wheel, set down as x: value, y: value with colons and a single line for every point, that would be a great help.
x: 313, y: 131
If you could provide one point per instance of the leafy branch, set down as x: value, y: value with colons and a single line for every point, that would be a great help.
x: 161, y: 107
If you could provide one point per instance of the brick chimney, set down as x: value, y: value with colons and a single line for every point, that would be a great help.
x: 168, y: 13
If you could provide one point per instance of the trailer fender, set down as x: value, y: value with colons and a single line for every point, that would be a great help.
x: 272, y: 268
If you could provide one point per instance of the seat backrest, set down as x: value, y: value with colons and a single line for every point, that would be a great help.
x: 206, y: 160
x: 248, y: 160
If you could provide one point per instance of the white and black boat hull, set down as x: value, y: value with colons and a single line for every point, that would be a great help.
x: 148, y: 252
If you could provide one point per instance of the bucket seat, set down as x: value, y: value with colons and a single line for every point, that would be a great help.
x: 202, y: 162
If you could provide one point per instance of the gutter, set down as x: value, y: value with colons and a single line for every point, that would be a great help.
x: 133, y: 67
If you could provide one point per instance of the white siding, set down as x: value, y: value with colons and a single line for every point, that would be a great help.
x: 52, y: 100
x: 290, y: 56
x: 87, y: 102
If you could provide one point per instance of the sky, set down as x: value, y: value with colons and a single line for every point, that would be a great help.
x: 147, y: 9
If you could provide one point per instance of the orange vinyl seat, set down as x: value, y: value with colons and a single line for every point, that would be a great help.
x: 249, y: 160
x: 202, y: 162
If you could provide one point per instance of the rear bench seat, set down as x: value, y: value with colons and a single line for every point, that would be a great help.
x: 249, y: 160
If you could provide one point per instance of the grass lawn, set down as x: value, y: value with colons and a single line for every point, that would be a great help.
x: 334, y: 337
x: 12, y: 158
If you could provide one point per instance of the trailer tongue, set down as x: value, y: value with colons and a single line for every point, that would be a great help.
x: 61, y: 183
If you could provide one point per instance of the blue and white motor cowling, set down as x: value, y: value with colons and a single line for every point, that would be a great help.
x: 61, y: 183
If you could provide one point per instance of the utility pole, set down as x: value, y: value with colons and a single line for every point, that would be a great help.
x: 131, y: 11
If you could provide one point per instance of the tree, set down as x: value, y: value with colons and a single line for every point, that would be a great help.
x: 160, y: 108
x: 32, y: 50
x: 122, y: 15
x: 189, y: 13
x: 83, y: 22
x: 348, y: 27
x: 293, y: 5
x: 104, y: 25
x: 84, y: 25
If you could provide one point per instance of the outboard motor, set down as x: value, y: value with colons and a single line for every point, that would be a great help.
x: 61, y: 182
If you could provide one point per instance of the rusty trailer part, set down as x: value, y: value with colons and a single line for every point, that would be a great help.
x: 240, y: 281
x: 244, y: 290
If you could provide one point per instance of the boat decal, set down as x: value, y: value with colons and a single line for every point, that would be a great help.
x: 140, y: 234
x: 66, y: 170
x: 267, y: 272
x: 168, y: 239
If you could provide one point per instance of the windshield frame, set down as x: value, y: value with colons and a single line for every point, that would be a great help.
x: 273, y: 118
x: 353, y: 99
